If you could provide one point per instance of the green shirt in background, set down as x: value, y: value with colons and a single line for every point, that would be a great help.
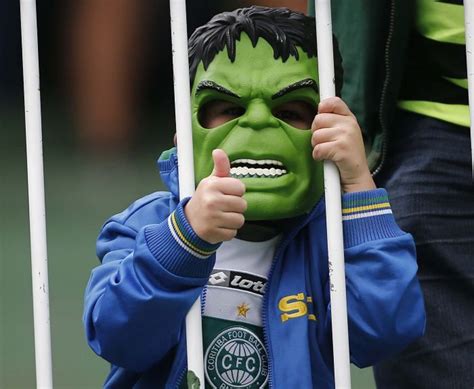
x: 435, y: 82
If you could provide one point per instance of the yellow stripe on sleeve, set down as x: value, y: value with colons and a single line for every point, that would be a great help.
x: 184, y: 240
x: 365, y: 208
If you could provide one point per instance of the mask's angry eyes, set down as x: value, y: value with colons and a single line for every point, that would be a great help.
x: 299, y: 114
x: 217, y: 112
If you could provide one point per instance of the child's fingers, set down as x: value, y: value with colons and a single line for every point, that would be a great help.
x: 230, y: 186
x: 334, y: 105
x: 324, y: 135
x: 327, y: 151
x: 233, y: 204
x: 225, y: 185
x: 231, y: 220
x: 229, y: 203
x: 326, y: 120
x: 225, y: 234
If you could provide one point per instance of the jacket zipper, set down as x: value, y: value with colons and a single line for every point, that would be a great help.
x: 180, y: 378
x: 266, y: 340
x: 281, y: 247
x: 383, y: 96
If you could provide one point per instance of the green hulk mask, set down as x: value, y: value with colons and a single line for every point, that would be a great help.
x: 259, y: 111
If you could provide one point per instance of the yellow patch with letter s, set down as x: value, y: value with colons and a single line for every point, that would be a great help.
x: 296, y: 305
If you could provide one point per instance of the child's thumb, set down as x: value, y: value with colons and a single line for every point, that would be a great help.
x: 221, y: 163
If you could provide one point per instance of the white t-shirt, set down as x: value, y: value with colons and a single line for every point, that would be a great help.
x: 234, y: 351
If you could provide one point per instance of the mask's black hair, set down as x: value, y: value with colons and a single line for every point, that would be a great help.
x: 285, y: 30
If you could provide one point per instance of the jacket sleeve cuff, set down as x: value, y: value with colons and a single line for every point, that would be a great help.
x: 178, y: 248
x: 367, y: 216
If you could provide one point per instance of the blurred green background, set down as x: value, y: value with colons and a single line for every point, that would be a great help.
x: 84, y: 186
x: 81, y: 192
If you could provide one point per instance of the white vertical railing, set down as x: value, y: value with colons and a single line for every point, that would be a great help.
x: 182, y: 98
x: 332, y: 188
x: 34, y: 149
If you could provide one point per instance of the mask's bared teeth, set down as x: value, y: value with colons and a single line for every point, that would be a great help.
x: 243, y: 171
x: 252, y: 163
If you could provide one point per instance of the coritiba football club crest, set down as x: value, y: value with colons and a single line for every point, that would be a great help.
x: 236, y: 358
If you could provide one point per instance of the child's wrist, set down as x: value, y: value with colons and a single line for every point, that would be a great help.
x: 362, y: 184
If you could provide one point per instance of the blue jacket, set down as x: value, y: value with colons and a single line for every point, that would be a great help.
x: 137, y: 299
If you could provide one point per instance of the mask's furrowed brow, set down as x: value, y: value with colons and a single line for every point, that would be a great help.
x: 206, y: 84
x: 306, y: 83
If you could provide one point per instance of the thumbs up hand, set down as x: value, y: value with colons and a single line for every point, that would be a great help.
x: 216, y: 209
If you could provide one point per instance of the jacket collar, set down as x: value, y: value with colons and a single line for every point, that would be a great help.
x: 168, y: 167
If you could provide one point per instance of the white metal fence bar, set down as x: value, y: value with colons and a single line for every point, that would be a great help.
x: 332, y: 189
x: 182, y: 98
x: 34, y: 148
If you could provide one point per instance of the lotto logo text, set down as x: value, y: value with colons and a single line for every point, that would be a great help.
x: 238, y: 280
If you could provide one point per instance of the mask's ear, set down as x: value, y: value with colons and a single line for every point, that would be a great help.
x: 175, y: 139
